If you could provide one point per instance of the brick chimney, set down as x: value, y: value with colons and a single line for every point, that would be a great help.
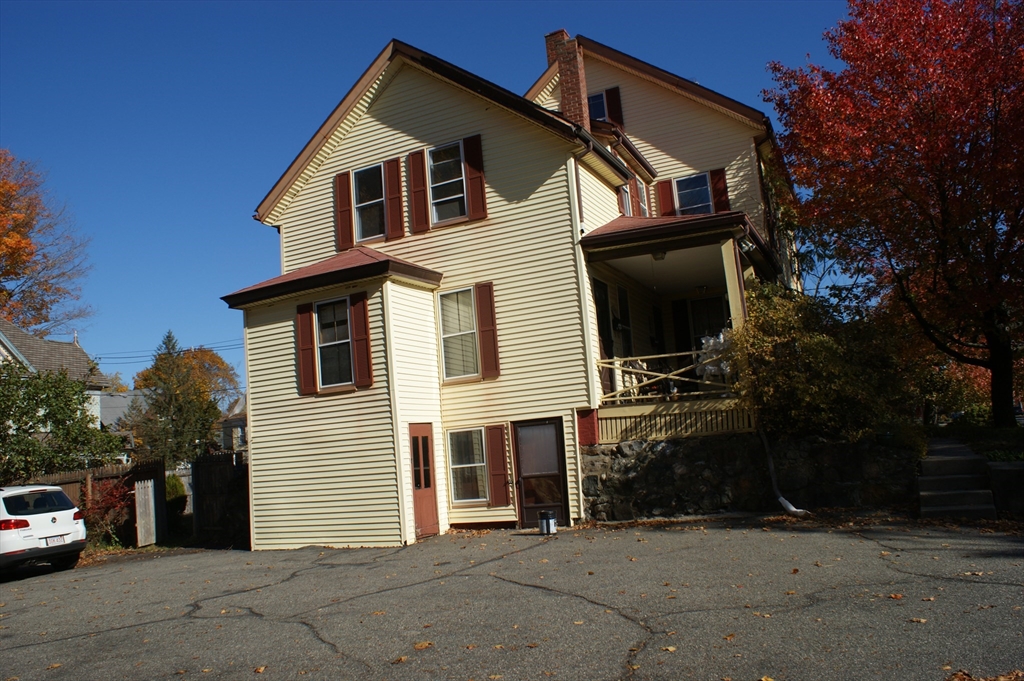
x: 572, y: 79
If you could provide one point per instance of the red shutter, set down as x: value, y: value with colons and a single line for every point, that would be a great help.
x: 621, y: 195
x: 634, y: 197
x: 344, y: 237
x: 359, y: 320
x: 393, y: 198
x: 305, y: 348
x: 418, y: 203
x: 613, y: 106
x: 487, y: 330
x: 666, y: 200
x: 719, y: 190
x: 476, y: 188
x: 497, y: 466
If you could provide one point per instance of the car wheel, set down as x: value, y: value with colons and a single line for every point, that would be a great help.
x: 65, y: 563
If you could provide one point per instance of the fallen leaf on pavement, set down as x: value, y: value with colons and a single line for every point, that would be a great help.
x: 796, y: 570
x: 378, y: 612
x: 896, y: 597
x: 422, y: 645
x: 669, y: 649
x: 918, y: 620
x: 928, y: 598
x: 400, y: 660
x: 260, y: 670
x: 55, y: 665
x: 729, y: 637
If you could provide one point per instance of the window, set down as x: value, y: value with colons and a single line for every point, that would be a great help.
x: 626, y: 199
x: 693, y: 195
x: 468, y: 465
x: 334, y: 345
x: 598, y: 110
x: 458, y: 334
x: 642, y: 195
x: 369, y: 202
x: 447, y: 185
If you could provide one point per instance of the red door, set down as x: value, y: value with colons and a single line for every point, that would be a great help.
x: 424, y: 499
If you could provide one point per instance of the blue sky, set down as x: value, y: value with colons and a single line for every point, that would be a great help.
x: 161, y: 125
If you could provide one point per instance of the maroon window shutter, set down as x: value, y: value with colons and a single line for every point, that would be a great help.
x: 418, y: 201
x: 476, y: 188
x: 497, y: 466
x: 343, y: 231
x: 621, y: 195
x: 634, y: 197
x: 613, y: 106
x: 666, y: 201
x: 305, y: 349
x: 393, y: 198
x: 362, y: 363
x: 487, y: 330
x: 719, y: 190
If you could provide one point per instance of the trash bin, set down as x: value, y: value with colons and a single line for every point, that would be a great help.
x: 546, y: 522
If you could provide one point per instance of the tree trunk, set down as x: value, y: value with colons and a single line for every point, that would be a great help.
x: 1001, y: 357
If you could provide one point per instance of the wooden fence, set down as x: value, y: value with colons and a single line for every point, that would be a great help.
x: 220, y: 498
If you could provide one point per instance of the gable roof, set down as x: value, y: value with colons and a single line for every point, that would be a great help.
x: 40, y: 354
x: 398, y: 51
x: 352, y: 265
x: 638, y: 67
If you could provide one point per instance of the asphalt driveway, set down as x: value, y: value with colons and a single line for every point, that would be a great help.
x: 735, y: 598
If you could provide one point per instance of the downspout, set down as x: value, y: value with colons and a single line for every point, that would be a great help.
x: 790, y: 509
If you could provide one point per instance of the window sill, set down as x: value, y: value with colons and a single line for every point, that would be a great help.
x: 462, y: 380
x: 451, y: 221
x: 336, y: 390
x: 475, y: 503
x: 371, y: 240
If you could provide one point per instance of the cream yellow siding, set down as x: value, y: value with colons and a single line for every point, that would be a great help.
x: 322, y: 469
x: 600, y: 202
x: 412, y: 334
x: 525, y: 247
x: 551, y: 96
x: 681, y: 137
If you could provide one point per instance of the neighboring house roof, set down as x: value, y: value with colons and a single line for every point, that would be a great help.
x: 114, y: 405
x: 351, y: 265
x: 709, y: 97
x: 637, y: 234
x: 40, y: 354
x: 397, y: 50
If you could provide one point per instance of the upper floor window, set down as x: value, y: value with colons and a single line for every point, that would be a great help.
x: 693, y: 195
x: 458, y: 334
x: 369, y: 202
x: 447, y: 184
x: 642, y: 197
x: 334, y: 345
x: 598, y: 110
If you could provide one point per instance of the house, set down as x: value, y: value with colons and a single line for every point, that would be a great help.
x: 476, y: 285
x: 233, y: 426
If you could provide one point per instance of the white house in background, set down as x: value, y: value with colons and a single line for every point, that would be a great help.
x: 467, y: 276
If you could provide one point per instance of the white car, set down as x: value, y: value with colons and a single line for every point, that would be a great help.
x: 39, y: 523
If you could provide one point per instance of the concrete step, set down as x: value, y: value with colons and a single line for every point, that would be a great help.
x: 953, y: 465
x: 946, y: 483
x: 976, y: 497
x: 957, y: 512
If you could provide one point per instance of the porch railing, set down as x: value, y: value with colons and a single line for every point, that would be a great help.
x: 667, y: 377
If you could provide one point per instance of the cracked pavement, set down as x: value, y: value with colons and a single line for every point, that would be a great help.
x: 729, y: 598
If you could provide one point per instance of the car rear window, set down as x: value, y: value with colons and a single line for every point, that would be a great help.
x: 42, y: 501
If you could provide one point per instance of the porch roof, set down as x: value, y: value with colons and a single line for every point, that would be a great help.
x: 624, y: 237
x: 352, y: 265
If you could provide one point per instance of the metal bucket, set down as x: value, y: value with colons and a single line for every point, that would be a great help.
x: 546, y: 522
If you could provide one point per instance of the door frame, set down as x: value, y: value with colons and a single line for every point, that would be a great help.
x: 559, y: 424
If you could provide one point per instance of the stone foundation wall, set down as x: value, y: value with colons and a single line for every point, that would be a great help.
x: 649, y: 479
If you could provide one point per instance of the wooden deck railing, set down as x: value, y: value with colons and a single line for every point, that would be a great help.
x: 668, y: 377
x: 672, y: 420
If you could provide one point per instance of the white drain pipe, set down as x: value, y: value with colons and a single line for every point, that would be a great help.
x: 790, y: 508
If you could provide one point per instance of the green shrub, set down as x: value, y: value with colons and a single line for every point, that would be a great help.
x: 174, y: 487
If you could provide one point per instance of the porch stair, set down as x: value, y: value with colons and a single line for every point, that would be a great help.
x: 954, y: 483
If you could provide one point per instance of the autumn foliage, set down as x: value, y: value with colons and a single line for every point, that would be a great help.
x: 41, y: 257
x: 910, y: 164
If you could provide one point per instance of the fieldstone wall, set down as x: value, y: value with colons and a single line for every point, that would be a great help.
x: 650, y: 479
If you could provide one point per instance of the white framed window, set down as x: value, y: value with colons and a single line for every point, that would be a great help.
x: 642, y: 191
x: 598, y: 107
x: 468, y: 463
x: 693, y: 194
x: 334, y: 343
x: 368, y: 190
x: 447, y: 182
x: 458, y: 334
x: 627, y: 201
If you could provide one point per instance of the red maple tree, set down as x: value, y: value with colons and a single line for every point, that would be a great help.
x: 909, y: 161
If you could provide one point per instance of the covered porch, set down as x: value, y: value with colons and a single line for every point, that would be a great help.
x: 663, y: 290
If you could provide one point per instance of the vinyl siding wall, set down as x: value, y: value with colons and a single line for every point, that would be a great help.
x: 322, y: 469
x: 551, y: 96
x: 680, y: 137
x: 600, y: 201
x: 525, y: 247
x: 417, y: 390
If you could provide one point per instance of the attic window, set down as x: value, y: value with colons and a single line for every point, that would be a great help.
x: 447, y: 186
x: 598, y: 110
x: 369, y: 202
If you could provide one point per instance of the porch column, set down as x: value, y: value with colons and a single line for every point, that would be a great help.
x: 734, y: 282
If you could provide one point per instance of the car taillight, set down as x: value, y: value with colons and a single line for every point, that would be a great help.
x: 79, y: 515
x: 13, y: 524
